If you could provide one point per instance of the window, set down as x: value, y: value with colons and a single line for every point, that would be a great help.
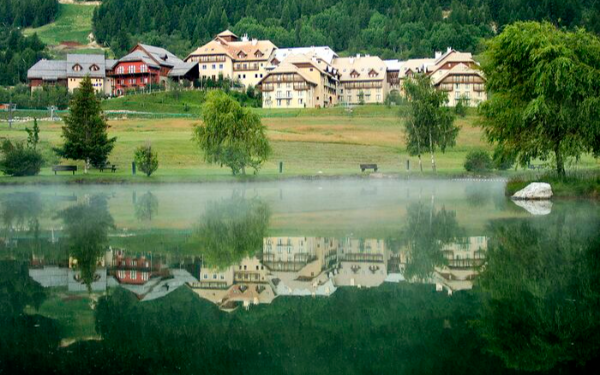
x: 205, y: 276
x: 279, y: 105
x: 214, y: 276
x: 145, y: 276
x: 288, y: 94
x: 94, y: 68
x: 120, y: 70
x: 221, y: 66
x: 133, y: 275
x: 457, y: 86
x: 300, y: 101
x: 144, y: 68
x: 131, y: 68
x: 77, y: 68
x: 214, y: 66
x: 222, y: 277
x: 203, y: 67
x: 378, y: 97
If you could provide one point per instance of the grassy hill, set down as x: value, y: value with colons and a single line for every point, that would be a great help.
x: 69, y: 33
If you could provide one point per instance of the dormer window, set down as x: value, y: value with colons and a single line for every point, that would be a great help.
x: 241, y: 55
x: 77, y: 68
x: 373, y: 73
x: 94, y: 68
x: 354, y: 74
x: 258, y: 54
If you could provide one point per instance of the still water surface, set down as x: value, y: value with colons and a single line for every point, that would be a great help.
x: 344, y: 277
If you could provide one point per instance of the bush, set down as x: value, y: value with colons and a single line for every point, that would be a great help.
x: 146, y: 160
x: 478, y: 161
x: 19, y: 160
x: 460, y: 109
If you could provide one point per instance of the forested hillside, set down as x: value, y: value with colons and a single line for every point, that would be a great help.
x: 24, y: 13
x: 390, y: 28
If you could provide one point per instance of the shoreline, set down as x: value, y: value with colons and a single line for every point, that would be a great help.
x: 51, y: 180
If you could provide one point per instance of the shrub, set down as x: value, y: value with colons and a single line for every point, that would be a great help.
x: 503, y: 161
x: 19, y: 160
x: 146, y: 160
x: 478, y: 161
x: 460, y: 109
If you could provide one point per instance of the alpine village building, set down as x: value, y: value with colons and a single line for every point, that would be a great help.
x: 305, y: 77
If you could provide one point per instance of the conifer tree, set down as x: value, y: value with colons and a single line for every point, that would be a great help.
x: 85, y: 129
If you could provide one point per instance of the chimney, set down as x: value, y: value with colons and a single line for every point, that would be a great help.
x: 245, y: 38
x: 438, y: 54
x: 254, y: 41
x: 351, y: 60
x: 358, y: 55
x: 449, y: 50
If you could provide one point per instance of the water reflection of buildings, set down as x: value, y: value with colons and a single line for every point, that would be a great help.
x: 317, y: 266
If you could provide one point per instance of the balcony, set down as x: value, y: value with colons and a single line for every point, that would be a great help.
x: 245, y: 67
x: 362, y: 85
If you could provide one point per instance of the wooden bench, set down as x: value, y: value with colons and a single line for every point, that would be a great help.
x: 64, y: 168
x: 108, y: 166
x: 364, y: 167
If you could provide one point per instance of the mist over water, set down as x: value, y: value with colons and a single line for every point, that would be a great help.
x: 281, y: 277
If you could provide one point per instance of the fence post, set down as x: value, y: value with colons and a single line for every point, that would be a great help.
x: 408, y: 164
x: 280, y: 167
x: 133, y: 167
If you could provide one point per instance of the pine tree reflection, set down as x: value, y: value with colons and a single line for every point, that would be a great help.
x: 86, y: 226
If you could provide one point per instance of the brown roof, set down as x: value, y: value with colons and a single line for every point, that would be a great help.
x: 459, y: 69
x: 220, y: 46
x: 363, y: 65
x: 286, y: 67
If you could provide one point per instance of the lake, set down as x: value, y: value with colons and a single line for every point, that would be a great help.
x: 298, y: 277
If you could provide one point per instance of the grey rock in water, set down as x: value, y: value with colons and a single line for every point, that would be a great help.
x: 538, y: 208
x: 534, y: 191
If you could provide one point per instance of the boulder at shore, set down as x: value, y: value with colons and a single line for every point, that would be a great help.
x: 534, y: 191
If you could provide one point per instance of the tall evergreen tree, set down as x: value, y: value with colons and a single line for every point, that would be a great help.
x: 85, y: 129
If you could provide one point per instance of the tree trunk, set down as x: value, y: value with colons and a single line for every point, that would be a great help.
x: 420, y: 163
x: 431, y: 151
x: 87, y: 166
x: 560, y: 163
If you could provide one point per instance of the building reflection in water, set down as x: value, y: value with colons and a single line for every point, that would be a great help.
x: 317, y: 266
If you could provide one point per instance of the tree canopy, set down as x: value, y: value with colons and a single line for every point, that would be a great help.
x: 231, y: 135
x: 430, y: 122
x: 85, y: 129
x: 545, y: 93
x: 390, y: 28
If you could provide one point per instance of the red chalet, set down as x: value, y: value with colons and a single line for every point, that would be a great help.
x: 130, y: 270
x: 146, y: 65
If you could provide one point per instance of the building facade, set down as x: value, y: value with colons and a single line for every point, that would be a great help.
x: 228, y: 56
x: 363, y: 79
x: 70, y: 72
x: 147, y: 65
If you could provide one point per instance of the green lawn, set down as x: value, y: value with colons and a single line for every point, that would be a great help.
x: 73, y: 24
x: 326, y: 145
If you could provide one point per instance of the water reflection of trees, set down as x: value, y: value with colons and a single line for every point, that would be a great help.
x: 86, y: 226
x: 27, y: 341
x: 230, y: 230
x: 424, y: 236
x: 146, y: 207
x: 541, y: 279
x: 21, y: 212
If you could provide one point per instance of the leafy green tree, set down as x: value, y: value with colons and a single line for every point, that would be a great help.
x: 361, y: 97
x: 231, y: 230
x: 146, y: 159
x: 85, y: 129
x: 429, y: 122
x: 19, y: 159
x: 33, y: 135
x: 545, y: 93
x: 231, y: 135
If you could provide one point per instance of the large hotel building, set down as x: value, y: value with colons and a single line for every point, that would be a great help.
x: 306, y: 77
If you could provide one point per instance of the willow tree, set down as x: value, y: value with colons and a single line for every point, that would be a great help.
x: 231, y: 135
x: 429, y: 123
x: 544, y: 88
